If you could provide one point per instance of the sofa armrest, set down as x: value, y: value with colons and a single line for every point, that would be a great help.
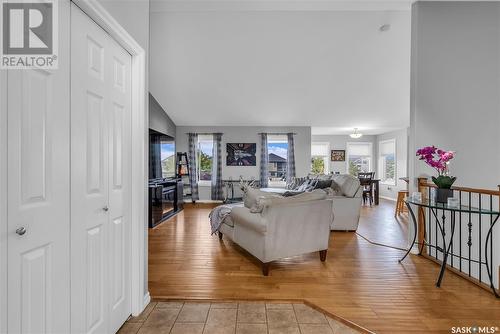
x: 346, y: 213
x: 243, y: 216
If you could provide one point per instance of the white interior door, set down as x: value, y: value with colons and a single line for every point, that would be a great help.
x: 38, y: 187
x: 100, y: 178
x: 119, y: 183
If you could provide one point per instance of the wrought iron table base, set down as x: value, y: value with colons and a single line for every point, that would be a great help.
x: 446, y: 250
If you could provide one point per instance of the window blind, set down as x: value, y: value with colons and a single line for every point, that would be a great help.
x: 362, y: 149
x: 320, y: 149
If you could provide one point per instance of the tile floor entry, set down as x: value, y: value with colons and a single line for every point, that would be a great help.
x: 232, y: 318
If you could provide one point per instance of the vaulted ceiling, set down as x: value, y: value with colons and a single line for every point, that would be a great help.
x: 325, y: 64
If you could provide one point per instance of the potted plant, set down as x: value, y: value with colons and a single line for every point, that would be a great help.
x: 439, y: 160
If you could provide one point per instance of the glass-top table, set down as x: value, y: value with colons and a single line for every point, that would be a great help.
x: 444, y: 206
x: 434, y: 208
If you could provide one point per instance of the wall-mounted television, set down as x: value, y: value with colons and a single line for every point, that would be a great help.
x: 161, y: 155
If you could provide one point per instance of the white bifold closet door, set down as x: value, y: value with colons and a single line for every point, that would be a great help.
x: 38, y: 296
x: 100, y: 178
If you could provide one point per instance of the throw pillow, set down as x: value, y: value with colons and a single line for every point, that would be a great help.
x: 335, y: 189
x: 348, y: 184
x: 251, y: 195
x: 322, y: 184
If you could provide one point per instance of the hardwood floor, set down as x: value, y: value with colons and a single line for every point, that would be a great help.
x: 377, y: 224
x: 360, y: 281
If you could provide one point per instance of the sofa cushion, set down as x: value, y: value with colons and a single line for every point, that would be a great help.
x: 314, y: 195
x: 348, y: 184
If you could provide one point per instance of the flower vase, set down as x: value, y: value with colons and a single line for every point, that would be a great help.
x: 442, y: 195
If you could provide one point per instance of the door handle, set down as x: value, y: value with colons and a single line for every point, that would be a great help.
x: 21, y: 230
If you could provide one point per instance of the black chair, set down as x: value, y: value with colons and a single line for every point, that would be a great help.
x: 366, y: 181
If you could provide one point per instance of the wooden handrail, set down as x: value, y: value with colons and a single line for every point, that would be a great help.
x: 423, y: 182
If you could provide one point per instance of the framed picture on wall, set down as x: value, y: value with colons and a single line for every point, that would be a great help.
x: 338, y: 155
x: 241, y: 154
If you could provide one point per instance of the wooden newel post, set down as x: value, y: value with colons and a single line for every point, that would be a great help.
x: 422, y: 181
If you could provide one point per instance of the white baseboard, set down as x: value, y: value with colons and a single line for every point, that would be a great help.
x: 146, y: 300
x: 388, y: 198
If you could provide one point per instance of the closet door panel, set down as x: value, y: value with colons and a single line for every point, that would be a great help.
x: 38, y: 228
x: 89, y: 176
x: 119, y: 182
x: 100, y: 167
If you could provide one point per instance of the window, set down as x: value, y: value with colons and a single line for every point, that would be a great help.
x: 320, y: 158
x: 277, y: 148
x: 167, y: 159
x: 205, y: 146
x: 387, y: 161
x: 359, y: 157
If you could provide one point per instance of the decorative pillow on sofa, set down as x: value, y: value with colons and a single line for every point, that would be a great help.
x: 296, y: 182
x: 322, y: 184
x: 334, y: 190
x: 320, y: 177
x: 307, y: 185
x: 348, y: 184
x: 252, y: 195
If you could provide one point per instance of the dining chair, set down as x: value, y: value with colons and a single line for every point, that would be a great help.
x: 366, y: 181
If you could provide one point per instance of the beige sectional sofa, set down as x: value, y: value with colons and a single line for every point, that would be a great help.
x: 271, y: 227
x: 346, y: 195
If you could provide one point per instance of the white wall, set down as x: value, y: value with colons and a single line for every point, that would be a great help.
x: 158, y: 118
x: 133, y: 15
x: 280, y: 67
x: 249, y: 134
x: 455, y: 89
x: 401, y: 137
x: 339, y: 142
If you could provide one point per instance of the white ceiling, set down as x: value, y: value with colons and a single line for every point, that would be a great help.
x: 332, y: 69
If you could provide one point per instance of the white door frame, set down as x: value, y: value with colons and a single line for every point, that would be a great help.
x: 96, y: 12
x: 3, y: 201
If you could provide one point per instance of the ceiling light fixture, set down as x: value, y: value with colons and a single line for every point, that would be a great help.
x: 356, y: 134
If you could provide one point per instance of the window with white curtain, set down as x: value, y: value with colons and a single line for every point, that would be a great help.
x: 277, y: 148
x: 320, y: 158
x: 359, y: 157
x: 204, y: 159
x: 387, y: 161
